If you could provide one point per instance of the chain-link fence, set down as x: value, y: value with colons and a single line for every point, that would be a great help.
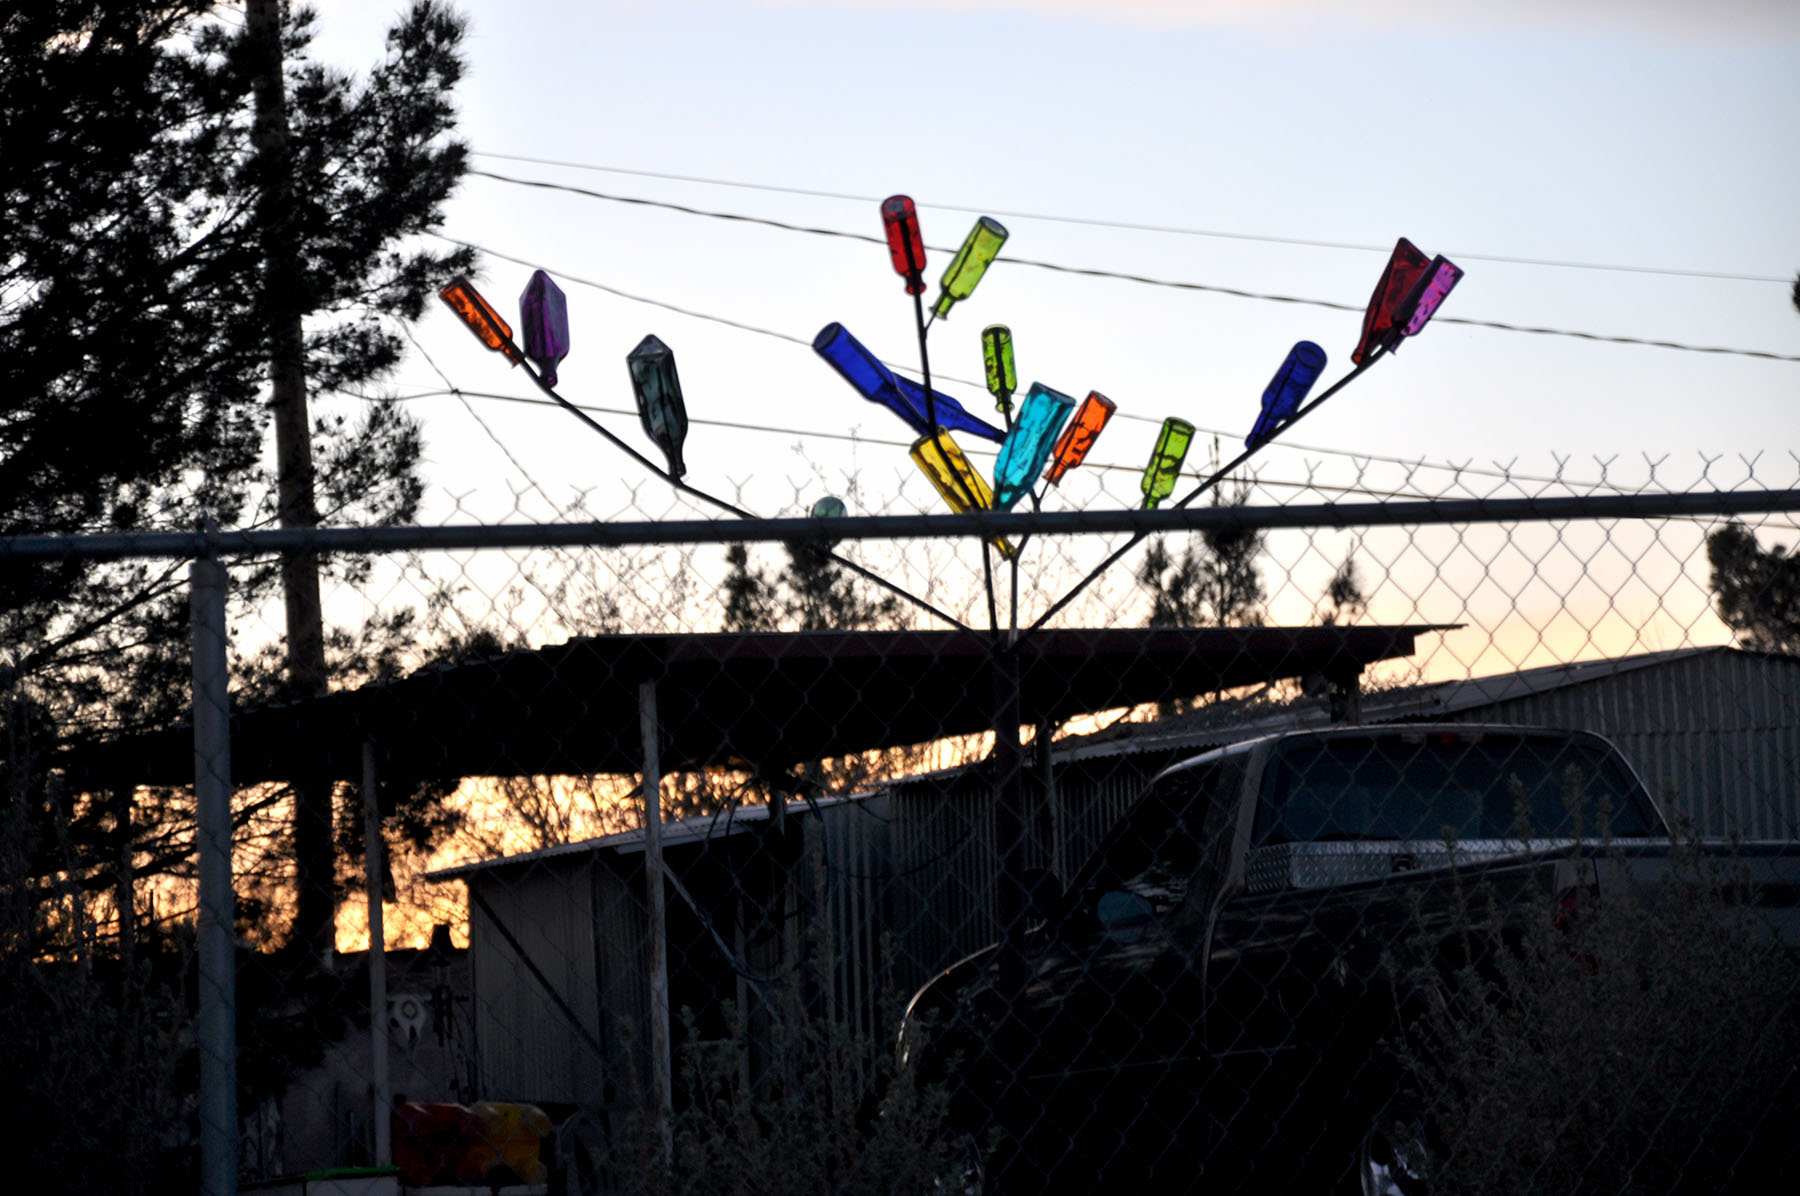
x: 1267, y: 842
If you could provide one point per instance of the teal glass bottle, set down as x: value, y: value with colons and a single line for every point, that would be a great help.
x: 661, y: 409
x: 1026, y: 448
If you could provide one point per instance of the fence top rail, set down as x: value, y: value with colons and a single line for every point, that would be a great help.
x: 984, y: 524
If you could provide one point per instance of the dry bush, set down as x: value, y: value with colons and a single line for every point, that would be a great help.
x: 89, y: 1100
x: 794, y: 1100
x: 1643, y: 1042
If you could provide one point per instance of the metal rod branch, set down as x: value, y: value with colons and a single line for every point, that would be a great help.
x: 937, y: 439
x: 703, y: 496
x: 1218, y: 475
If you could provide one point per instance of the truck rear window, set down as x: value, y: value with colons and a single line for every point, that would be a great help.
x: 1438, y: 786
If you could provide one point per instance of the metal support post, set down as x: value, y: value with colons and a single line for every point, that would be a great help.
x: 660, y: 1064
x: 1346, y: 698
x: 1010, y: 820
x: 1053, y: 812
x: 215, y: 1031
x: 373, y: 871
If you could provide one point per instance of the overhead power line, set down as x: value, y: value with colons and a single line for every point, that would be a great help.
x: 1091, y: 222
x: 741, y: 326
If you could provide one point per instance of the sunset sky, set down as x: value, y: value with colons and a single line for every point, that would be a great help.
x: 1657, y: 136
x: 1619, y: 133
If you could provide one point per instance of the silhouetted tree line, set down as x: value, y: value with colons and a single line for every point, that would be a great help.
x: 135, y: 303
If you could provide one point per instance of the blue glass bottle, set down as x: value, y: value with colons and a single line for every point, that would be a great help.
x: 1287, y: 390
x: 904, y: 397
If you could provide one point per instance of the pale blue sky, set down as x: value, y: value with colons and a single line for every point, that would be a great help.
x: 1636, y: 133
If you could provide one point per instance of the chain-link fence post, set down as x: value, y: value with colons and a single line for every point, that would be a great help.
x: 374, y: 870
x: 215, y: 1032
x: 1009, y: 815
x: 660, y: 1062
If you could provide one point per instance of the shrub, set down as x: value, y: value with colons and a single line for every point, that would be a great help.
x: 794, y: 1100
x: 1642, y: 1041
x: 88, y: 1063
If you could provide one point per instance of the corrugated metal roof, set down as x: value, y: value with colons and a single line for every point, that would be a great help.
x: 762, y: 699
x: 706, y: 826
x: 1230, y: 722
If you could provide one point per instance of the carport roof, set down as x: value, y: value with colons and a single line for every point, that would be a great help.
x: 769, y: 699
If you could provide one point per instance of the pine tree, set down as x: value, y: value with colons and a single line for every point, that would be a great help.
x: 135, y: 323
x: 1344, y: 600
x: 1215, y: 582
x: 750, y: 597
x: 811, y: 592
x: 823, y: 596
x: 1757, y: 588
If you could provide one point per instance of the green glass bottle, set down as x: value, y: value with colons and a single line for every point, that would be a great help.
x: 1002, y: 374
x: 1165, y: 463
x: 969, y: 264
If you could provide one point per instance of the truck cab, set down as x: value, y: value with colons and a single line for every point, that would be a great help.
x: 1206, y: 999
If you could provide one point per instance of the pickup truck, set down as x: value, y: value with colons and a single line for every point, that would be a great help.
x: 1208, y: 1005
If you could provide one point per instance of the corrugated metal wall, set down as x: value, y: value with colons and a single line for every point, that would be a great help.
x: 1716, y: 736
x: 851, y: 844
x: 944, y: 866
x: 621, y: 928
x: 582, y: 920
x: 527, y: 1048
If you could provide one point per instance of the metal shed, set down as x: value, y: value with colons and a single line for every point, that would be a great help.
x: 558, y: 940
x: 571, y: 1028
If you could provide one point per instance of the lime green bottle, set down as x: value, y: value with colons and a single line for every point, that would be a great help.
x: 1002, y: 374
x: 969, y: 264
x: 1165, y: 463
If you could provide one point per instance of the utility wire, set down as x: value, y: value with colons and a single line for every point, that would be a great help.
x: 1082, y: 271
x: 457, y: 393
x: 1131, y: 226
x: 644, y: 299
x: 1125, y: 415
x: 884, y: 442
x: 791, y: 339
